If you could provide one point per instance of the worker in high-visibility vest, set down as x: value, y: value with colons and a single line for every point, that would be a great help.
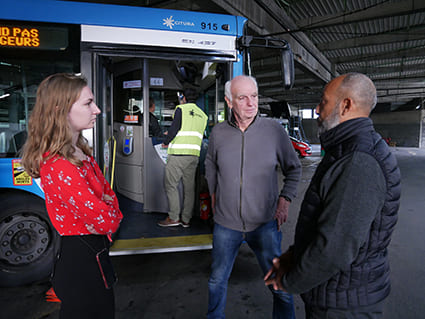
x: 184, y: 141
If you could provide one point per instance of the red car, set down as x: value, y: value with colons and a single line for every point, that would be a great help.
x: 303, y: 149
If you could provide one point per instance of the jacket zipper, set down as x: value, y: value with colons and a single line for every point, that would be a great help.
x: 241, y: 181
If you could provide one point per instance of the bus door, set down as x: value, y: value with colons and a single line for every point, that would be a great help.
x: 104, y: 144
x: 128, y: 88
x: 132, y: 157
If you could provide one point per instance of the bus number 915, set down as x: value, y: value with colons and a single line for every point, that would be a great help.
x: 209, y: 26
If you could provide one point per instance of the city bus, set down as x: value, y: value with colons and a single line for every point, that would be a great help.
x: 130, y: 56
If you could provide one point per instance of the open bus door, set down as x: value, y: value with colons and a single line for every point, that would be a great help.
x: 135, y: 161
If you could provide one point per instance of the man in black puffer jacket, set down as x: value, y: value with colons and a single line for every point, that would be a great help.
x: 339, y: 260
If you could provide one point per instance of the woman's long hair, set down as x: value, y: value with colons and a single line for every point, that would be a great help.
x: 48, y: 126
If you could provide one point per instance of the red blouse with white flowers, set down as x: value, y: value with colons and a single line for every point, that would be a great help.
x: 75, y: 198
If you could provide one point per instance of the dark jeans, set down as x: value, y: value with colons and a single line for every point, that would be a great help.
x: 265, y: 241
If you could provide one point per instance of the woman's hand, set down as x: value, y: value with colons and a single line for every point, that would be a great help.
x: 108, y: 198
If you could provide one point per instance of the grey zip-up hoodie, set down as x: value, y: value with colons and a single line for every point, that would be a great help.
x: 241, y: 169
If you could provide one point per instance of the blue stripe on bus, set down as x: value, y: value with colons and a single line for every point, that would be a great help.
x: 120, y: 16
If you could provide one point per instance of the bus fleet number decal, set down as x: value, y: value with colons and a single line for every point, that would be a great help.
x: 209, y: 26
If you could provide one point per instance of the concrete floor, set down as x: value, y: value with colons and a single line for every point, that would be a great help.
x: 174, y: 285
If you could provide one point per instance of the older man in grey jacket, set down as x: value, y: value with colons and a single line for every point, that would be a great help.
x: 241, y: 170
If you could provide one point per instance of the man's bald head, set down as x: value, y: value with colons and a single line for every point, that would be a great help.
x: 346, y: 97
x: 360, y: 88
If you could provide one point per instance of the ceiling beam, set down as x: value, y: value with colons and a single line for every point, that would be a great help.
x: 385, y: 92
x: 266, y: 18
x: 418, y: 76
x: 417, y: 52
x: 411, y: 33
x: 384, y: 84
x: 379, y: 11
x: 385, y: 69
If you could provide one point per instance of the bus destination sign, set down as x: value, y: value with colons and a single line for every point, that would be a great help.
x: 33, y: 37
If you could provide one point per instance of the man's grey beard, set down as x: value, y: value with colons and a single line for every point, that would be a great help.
x: 332, y: 121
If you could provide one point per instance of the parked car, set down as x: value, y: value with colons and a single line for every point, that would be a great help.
x: 302, y: 148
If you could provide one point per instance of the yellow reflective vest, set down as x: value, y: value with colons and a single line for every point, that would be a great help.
x: 189, y: 138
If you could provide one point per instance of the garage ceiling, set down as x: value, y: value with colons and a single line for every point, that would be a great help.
x: 384, y: 39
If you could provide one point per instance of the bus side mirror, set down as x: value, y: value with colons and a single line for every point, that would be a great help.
x: 246, y: 43
x: 288, y: 72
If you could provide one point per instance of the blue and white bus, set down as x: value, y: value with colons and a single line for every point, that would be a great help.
x: 130, y: 56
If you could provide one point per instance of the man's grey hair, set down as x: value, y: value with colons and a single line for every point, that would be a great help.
x: 361, y: 89
x: 228, y: 86
x: 227, y: 91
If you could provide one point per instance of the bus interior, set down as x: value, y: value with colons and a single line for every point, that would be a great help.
x: 134, y: 160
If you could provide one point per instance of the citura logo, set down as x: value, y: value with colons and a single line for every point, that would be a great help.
x: 170, y: 22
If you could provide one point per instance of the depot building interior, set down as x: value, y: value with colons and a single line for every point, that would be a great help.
x: 384, y: 39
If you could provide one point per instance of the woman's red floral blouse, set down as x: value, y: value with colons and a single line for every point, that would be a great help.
x: 75, y: 198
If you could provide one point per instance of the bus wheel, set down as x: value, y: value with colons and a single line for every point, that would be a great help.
x: 26, y: 240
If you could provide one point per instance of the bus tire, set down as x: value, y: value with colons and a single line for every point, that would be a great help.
x: 27, y: 240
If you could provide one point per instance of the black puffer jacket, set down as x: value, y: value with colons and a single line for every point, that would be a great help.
x: 366, y: 280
